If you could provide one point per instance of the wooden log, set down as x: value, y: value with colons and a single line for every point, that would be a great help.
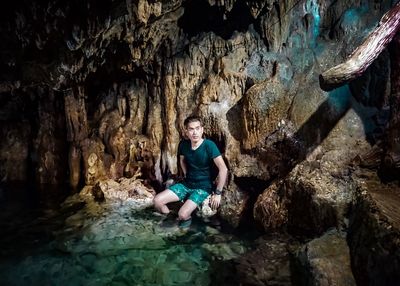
x: 365, y: 54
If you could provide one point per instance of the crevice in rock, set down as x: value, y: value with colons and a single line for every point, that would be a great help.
x: 235, y: 126
x: 253, y: 187
x: 219, y: 140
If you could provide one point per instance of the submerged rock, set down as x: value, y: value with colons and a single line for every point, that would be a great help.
x: 268, y: 264
x: 115, y: 241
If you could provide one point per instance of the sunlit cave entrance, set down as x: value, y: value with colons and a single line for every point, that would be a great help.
x: 301, y: 100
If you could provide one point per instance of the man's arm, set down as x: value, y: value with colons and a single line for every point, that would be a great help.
x: 222, y: 172
x: 183, y: 164
x: 222, y: 175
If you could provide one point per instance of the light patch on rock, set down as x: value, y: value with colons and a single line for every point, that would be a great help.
x: 205, y: 211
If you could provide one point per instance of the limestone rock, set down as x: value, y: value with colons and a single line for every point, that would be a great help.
x: 233, y: 205
x: 49, y: 144
x: 308, y: 201
x: 131, y: 70
x: 94, y: 161
x: 270, y: 210
x: 205, y: 211
x: 324, y: 261
x: 124, y: 190
x: 318, y: 200
x: 265, y: 105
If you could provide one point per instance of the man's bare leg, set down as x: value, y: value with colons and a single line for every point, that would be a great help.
x: 162, y: 199
x: 185, y: 212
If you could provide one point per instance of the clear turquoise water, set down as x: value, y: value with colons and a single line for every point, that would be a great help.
x: 113, y: 245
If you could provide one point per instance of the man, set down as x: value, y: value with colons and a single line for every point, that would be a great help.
x: 196, y: 157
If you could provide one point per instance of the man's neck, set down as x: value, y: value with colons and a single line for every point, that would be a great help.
x: 197, y: 144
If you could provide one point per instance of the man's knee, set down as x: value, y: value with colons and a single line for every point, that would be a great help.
x: 157, y: 201
x: 162, y: 199
x: 184, y: 214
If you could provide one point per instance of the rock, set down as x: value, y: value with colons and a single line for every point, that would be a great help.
x: 270, y: 209
x: 233, y: 205
x: 98, y: 193
x: 307, y: 202
x: 264, y: 106
x: 205, y: 210
x: 316, y: 193
x: 14, y: 151
x: 324, y: 261
x: 268, y: 264
x: 374, y: 231
x: 129, y: 72
x: 318, y: 200
x: 125, y: 190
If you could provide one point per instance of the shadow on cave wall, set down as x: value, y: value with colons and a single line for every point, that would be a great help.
x: 294, y: 149
x: 320, y: 124
x: 366, y: 95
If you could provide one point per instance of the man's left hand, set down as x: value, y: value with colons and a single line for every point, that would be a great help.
x: 215, y: 201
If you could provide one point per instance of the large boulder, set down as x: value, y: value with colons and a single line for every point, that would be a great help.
x: 324, y: 261
x: 307, y: 202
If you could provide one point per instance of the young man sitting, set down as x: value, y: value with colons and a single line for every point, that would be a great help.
x: 196, y: 157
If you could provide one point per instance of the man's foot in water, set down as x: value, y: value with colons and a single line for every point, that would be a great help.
x: 185, y: 224
x: 170, y: 220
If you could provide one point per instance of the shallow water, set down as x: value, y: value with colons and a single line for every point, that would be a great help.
x: 113, y: 244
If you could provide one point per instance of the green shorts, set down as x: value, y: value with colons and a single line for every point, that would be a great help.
x: 183, y: 192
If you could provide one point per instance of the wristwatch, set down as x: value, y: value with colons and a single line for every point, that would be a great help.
x: 218, y: 192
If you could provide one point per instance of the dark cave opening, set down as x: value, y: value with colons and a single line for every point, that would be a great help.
x: 35, y: 130
x: 200, y: 16
x: 252, y: 186
x: 219, y: 140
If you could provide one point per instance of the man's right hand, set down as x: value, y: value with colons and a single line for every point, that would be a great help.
x: 215, y: 201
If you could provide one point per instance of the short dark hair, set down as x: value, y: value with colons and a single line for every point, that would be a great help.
x: 193, y: 118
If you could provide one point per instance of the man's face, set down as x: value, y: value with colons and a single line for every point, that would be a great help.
x: 194, y: 131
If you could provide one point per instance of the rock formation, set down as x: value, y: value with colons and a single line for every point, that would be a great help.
x: 95, y: 92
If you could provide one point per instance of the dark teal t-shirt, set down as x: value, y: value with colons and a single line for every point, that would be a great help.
x: 199, y: 163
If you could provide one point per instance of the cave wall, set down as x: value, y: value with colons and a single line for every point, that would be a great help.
x: 94, y: 90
